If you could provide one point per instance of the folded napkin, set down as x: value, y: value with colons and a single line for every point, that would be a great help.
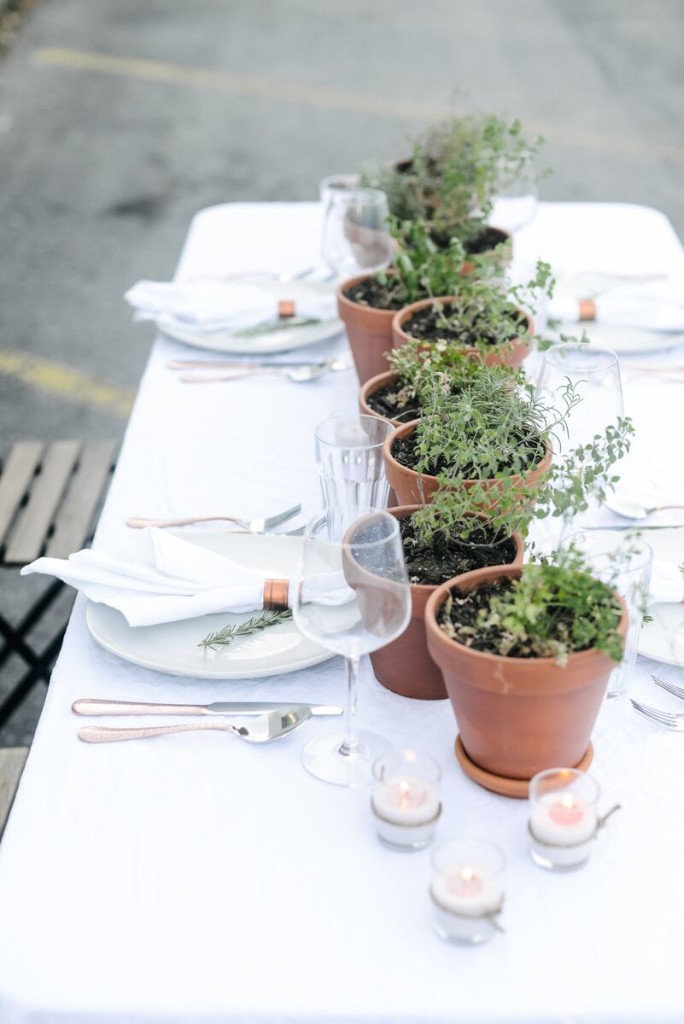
x: 217, y: 305
x: 620, y: 309
x: 667, y: 583
x: 181, y: 580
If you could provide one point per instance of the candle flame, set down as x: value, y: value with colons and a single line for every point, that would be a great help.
x: 467, y: 874
x: 567, y: 801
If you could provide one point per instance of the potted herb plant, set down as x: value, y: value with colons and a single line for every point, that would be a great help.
x: 455, y: 169
x: 433, y: 555
x: 397, y: 394
x: 525, y: 653
x: 367, y: 303
x: 486, y: 318
x: 491, y: 442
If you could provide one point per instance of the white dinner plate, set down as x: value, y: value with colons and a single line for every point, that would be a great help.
x: 662, y: 638
x: 623, y: 340
x: 172, y: 647
x: 257, y: 345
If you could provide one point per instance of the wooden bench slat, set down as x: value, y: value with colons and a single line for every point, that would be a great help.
x: 27, y: 539
x: 17, y: 475
x: 86, y: 489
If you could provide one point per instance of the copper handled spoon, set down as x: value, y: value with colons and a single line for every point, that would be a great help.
x: 259, y: 729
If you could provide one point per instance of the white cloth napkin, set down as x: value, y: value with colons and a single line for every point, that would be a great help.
x: 667, y: 583
x: 219, y: 305
x: 182, y: 580
x: 625, y: 310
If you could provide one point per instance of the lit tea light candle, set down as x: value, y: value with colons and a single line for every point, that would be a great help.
x: 466, y: 890
x: 405, y: 799
x: 563, y: 817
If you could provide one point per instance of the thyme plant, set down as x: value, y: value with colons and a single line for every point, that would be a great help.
x: 455, y: 170
x: 481, y: 443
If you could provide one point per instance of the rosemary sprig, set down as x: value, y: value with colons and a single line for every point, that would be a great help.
x: 225, y: 636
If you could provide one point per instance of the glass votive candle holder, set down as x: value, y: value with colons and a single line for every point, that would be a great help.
x: 405, y: 800
x: 467, y: 890
x: 564, y: 818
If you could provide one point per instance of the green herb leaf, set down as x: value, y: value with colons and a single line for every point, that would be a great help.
x: 225, y: 636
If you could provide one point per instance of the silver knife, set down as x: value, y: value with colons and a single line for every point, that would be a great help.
x: 88, y: 706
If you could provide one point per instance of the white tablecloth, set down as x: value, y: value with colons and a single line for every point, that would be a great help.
x: 197, y: 878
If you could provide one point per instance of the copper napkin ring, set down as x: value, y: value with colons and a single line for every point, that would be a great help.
x: 276, y: 595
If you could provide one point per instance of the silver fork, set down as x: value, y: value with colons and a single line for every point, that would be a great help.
x: 251, y: 525
x: 670, y: 719
x: 678, y: 691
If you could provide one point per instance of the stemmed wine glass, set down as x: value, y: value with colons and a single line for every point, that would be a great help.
x: 596, y: 386
x: 515, y: 206
x: 352, y: 596
x: 356, y: 237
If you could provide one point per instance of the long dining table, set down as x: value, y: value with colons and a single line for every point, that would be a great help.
x: 197, y: 878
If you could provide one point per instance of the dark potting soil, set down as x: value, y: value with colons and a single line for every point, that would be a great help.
x: 463, y: 619
x: 443, y: 558
x: 370, y: 292
x: 391, y: 402
x: 404, y: 450
x: 434, y: 325
x: 485, y: 241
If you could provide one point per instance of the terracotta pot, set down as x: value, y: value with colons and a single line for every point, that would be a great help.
x: 405, y: 665
x: 517, y: 716
x: 372, y: 385
x: 412, y: 488
x: 507, y: 354
x: 369, y: 331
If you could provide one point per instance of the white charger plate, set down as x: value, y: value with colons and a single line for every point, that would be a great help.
x: 256, y: 345
x: 172, y: 647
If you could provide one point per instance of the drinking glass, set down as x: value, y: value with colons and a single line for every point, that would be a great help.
x: 593, y: 374
x: 515, y: 206
x: 333, y: 184
x: 350, y: 461
x: 355, y: 233
x: 352, y: 595
x: 624, y: 562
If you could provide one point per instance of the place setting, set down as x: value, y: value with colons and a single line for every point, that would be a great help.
x: 264, y: 313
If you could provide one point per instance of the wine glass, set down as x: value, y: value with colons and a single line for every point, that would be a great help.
x: 583, y: 382
x: 352, y: 596
x: 514, y: 206
x: 625, y: 562
x: 356, y: 237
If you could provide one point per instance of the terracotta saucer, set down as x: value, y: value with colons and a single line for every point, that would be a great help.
x: 500, y: 783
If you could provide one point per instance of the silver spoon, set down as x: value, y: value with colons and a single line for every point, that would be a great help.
x: 632, y: 509
x: 299, y: 374
x: 259, y: 729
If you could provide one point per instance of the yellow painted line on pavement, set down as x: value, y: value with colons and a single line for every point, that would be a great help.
x: 333, y: 99
x: 65, y: 382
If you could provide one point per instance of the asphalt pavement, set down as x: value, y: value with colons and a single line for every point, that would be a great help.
x: 119, y: 120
